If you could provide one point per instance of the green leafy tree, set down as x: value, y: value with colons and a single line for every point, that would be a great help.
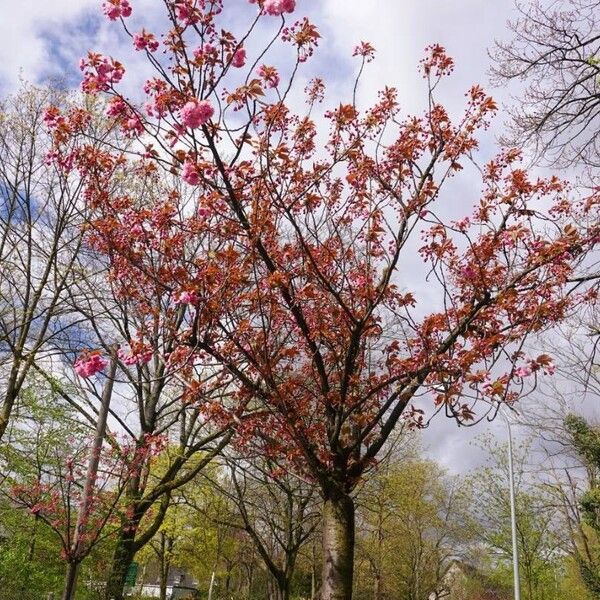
x: 538, y: 528
x: 413, y: 522
x: 585, y: 438
x: 44, y: 436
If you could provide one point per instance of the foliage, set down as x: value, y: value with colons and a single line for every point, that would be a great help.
x: 538, y: 528
x: 413, y: 522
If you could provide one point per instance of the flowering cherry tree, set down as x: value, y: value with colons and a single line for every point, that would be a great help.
x: 299, y: 299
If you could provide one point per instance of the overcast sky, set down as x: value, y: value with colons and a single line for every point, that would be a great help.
x: 40, y: 39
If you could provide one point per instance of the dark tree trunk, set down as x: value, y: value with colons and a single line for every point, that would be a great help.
x: 166, y: 546
x: 163, y: 588
x: 281, y: 588
x: 70, y: 581
x: 122, y: 559
x: 377, y: 588
x: 338, y: 547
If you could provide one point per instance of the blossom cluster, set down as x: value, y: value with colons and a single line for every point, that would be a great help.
x: 145, y: 41
x: 276, y: 8
x: 89, y: 364
x: 115, y: 9
x: 196, y: 113
x: 99, y: 73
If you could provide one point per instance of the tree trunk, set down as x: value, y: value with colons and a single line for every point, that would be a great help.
x: 163, y: 588
x: 122, y: 559
x: 377, y: 588
x: 338, y: 547
x: 165, y: 564
x: 281, y: 588
x: 212, y: 586
x: 10, y: 398
x: 70, y: 581
x: 77, y: 551
x: 313, y: 574
x: 284, y: 591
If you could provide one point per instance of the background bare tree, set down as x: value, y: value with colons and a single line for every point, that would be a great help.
x: 40, y: 239
x: 278, y: 511
x: 555, y: 51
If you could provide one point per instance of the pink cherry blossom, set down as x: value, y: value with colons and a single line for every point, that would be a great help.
x: 204, y: 51
x: 99, y: 72
x: 52, y: 117
x: 129, y: 357
x: 116, y: 107
x: 88, y: 364
x: 190, y: 173
x: 145, y: 41
x: 523, y: 371
x: 365, y: 50
x: 196, y: 113
x: 239, y: 58
x: 276, y: 8
x: 186, y: 13
x: 269, y: 75
x: 187, y: 298
x: 468, y: 272
x: 114, y: 9
x: 133, y: 126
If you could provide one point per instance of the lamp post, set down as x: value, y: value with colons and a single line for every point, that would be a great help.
x: 513, y: 511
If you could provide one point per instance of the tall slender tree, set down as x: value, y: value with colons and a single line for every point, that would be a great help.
x: 41, y: 230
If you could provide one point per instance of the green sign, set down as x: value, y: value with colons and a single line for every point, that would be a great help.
x: 132, y: 574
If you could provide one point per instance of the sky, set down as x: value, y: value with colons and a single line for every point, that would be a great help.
x: 44, y: 39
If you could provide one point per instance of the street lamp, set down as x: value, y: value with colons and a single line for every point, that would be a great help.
x: 513, y: 511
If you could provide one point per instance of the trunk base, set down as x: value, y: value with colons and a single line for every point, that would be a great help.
x: 70, y: 581
x: 338, y: 547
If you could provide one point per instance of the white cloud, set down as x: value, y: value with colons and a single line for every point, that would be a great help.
x: 22, y: 47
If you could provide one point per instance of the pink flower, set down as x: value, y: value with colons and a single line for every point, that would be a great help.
x: 463, y: 224
x: 468, y: 272
x: 114, y: 9
x: 366, y: 50
x: 145, y: 41
x: 190, y: 173
x: 276, y: 8
x: 133, y: 126
x: 88, y: 364
x: 99, y: 72
x: 129, y: 357
x: 239, y: 58
x: 523, y: 371
x: 65, y: 162
x: 187, y: 298
x: 116, y: 107
x: 196, y: 113
x: 51, y: 157
x: 52, y: 117
x: 269, y: 75
x: 186, y: 13
x: 206, y: 50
